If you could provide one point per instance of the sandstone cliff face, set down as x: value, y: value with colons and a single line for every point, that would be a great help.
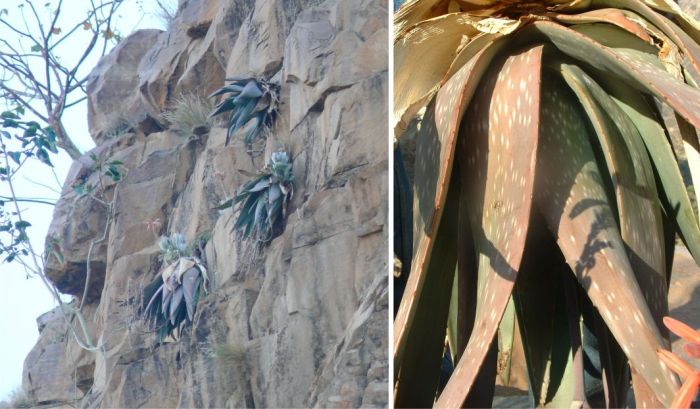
x: 301, y: 321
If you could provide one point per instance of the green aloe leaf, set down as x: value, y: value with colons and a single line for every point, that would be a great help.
x: 225, y: 106
x: 225, y: 204
x: 679, y: 37
x: 232, y: 88
x: 675, y: 197
x: 466, y: 284
x: 178, y: 296
x: 605, y: 15
x: 577, y: 211
x: 501, y: 171
x: 417, y: 368
x: 628, y: 67
x: 436, y: 152
x: 632, y: 175
x: 640, y: 220
x: 190, y: 284
x: 540, y: 301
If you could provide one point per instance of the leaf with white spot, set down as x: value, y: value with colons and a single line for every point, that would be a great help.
x: 432, y: 168
x: 605, y: 15
x: 639, y: 215
x: 635, y: 72
x: 417, y: 355
x: 632, y: 176
x: 675, y: 197
x: 577, y: 211
x: 498, y: 145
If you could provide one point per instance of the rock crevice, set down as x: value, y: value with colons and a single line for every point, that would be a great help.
x: 300, y: 321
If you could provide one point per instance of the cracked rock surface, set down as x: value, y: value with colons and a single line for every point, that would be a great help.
x: 298, y: 322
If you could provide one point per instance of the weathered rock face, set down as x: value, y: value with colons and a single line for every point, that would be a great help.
x: 300, y: 321
x: 113, y: 98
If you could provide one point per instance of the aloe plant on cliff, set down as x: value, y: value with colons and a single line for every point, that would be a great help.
x: 544, y: 174
x: 263, y: 200
x: 173, y: 296
x: 248, y: 99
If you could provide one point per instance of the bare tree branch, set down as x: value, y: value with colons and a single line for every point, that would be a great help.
x: 60, y: 85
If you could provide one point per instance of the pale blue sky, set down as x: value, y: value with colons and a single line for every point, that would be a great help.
x: 22, y: 299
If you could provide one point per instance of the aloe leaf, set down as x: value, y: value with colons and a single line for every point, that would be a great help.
x: 614, y: 366
x: 433, y: 167
x: 244, y: 113
x: 541, y: 308
x: 253, y: 131
x: 261, y: 185
x: 178, y: 295
x: 501, y: 169
x: 436, y: 40
x: 465, y: 286
x: 577, y: 211
x: 627, y: 160
x: 693, y: 156
x: 231, y: 88
x: 403, y: 221
x: 675, y: 197
x: 224, y: 205
x: 417, y: 365
x: 690, y: 48
x: 606, y: 15
x: 636, y: 72
x: 573, y: 292
x: 224, y: 106
x: 640, y: 216
x: 190, y: 282
x: 642, y: 7
x: 691, y: 146
x: 153, y: 300
x: 250, y: 90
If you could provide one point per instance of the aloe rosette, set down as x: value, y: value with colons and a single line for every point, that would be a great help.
x: 248, y: 100
x: 173, y: 296
x: 547, y: 195
x: 262, y: 201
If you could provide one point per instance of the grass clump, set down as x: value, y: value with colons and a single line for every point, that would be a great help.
x: 189, y: 115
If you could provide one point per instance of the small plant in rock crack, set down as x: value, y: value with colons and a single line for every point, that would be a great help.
x: 248, y: 99
x: 174, y: 293
x: 113, y: 169
x: 264, y: 199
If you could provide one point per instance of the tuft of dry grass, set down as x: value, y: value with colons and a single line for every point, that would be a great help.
x: 188, y: 112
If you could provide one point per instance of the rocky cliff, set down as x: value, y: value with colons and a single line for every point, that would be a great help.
x: 299, y: 321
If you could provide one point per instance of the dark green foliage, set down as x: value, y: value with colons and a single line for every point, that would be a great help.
x: 263, y: 200
x: 112, y: 169
x: 248, y: 99
x: 36, y: 141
